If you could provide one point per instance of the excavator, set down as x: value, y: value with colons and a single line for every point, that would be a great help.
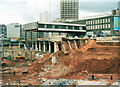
x: 20, y: 56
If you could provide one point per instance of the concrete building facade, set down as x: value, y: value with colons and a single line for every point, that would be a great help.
x: 3, y: 30
x: 48, y: 35
x: 103, y: 23
x: 14, y: 30
x: 69, y: 9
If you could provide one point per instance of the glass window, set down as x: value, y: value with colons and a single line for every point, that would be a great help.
x: 103, y: 25
x: 49, y: 26
x: 76, y: 27
x: 98, y: 27
x: 106, y: 21
x: 93, y: 27
x: 98, y: 21
x: 88, y: 22
x: 95, y: 21
x: 108, y: 25
x: 81, y: 28
x: 103, y: 20
x: 70, y: 27
x: 109, y: 20
x: 41, y: 25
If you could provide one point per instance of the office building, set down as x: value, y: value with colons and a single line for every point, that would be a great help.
x: 69, y: 9
x: 106, y: 24
x: 3, y: 30
x: 14, y: 30
x: 119, y: 4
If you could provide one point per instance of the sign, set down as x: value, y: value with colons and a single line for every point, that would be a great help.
x: 116, y: 23
x: 14, y: 39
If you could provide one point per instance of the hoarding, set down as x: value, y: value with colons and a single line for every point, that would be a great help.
x: 14, y: 39
x: 116, y: 23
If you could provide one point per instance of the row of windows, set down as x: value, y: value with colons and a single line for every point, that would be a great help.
x: 107, y: 20
x: 104, y: 26
x: 60, y: 27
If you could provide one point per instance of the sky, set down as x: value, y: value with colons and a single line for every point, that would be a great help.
x: 24, y: 11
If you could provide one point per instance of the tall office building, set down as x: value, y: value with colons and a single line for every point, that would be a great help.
x: 69, y: 9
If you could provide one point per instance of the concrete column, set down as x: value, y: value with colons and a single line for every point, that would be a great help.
x: 36, y: 46
x: 39, y: 46
x: 32, y: 45
x: 49, y: 47
x: 19, y: 44
x: 80, y: 42
x: 44, y: 46
x: 69, y: 45
x: 75, y: 44
x: 55, y: 47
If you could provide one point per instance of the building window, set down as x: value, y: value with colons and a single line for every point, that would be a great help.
x: 76, y: 27
x: 109, y: 20
x: 91, y: 22
x: 93, y: 27
x: 88, y: 27
x: 70, y: 27
x: 103, y: 20
x: 106, y: 21
x: 98, y: 21
x: 86, y: 22
x: 41, y: 26
x: 95, y: 21
x: 108, y: 25
x: 49, y: 26
x: 98, y: 27
x: 103, y: 25
x: 81, y: 28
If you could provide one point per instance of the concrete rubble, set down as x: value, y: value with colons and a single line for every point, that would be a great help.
x: 69, y: 64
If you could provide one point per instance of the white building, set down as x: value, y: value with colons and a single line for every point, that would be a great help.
x: 13, y: 30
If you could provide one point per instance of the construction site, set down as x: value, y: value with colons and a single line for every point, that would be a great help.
x: 63, y: 61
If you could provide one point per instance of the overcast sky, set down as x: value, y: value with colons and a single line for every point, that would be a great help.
x: 24, y: 11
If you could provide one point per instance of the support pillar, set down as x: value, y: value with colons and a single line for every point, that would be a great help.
x: 32, y: 45
x: 56, y: 47
x: 49, y: 47
x: 44, y: 46
x: 63, y: 47
x: 36, y: 46
x: 75, y: 44
x: 81, y: 43
x: 19, y: 44
x: 69, y: 45
x: 39, y: 46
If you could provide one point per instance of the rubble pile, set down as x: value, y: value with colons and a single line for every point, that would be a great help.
x: 37, y: 65
x: 76, y: 63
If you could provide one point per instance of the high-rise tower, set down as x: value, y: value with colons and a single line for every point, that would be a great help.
x: 69, y: 9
